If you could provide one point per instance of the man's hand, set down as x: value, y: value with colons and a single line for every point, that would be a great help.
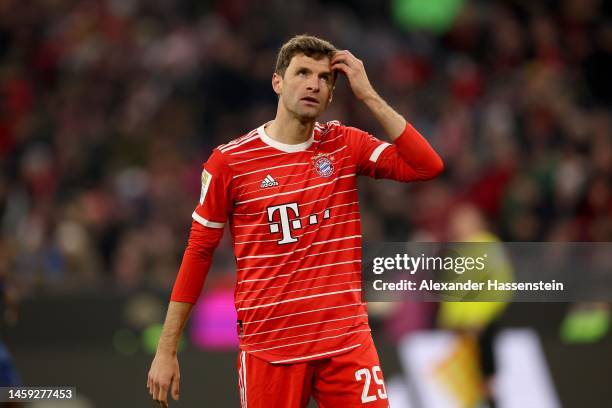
x: 164, y: 375
x: 354, y: 70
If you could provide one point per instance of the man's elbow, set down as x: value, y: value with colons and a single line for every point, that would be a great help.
x: 434, y: 169
x: 438, y: 168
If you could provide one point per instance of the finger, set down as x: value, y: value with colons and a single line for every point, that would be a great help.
x: 350, y: 54
x: 350, y: 60
x: 345, y: 55
x: 156, y: 391
x: 340, y: 61
x: 153, y: 390
x: 341, y: 66
x: 339, y: 55
x: 175, y: 387
x: 353, y: 58
x: 162, y: 396
x: 340, y: 58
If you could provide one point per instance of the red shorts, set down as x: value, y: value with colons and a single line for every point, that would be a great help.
x: 352, y: 379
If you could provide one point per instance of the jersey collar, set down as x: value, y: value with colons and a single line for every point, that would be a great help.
x: 287, y: 148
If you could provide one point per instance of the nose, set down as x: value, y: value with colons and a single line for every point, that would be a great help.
x: 313, y: 84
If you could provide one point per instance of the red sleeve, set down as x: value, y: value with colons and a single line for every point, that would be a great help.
x: 215, y: 198
x: 196, y: 262
x: 409, y: 158
x: 209, y: 219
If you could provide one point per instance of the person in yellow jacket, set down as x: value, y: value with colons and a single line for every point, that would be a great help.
x: 474, y: 320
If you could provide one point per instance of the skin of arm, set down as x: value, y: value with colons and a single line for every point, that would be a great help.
x: 353, y: 68
x: 164, y: 374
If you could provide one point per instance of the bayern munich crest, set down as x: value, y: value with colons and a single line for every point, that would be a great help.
x: 323, y: 165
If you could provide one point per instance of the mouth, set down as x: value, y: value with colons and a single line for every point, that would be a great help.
x: 310, y: 100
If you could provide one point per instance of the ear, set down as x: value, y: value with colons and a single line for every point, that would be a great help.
x: 277, y: 83
x: 331, y: 94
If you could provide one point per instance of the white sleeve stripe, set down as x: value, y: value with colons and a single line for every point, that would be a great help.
x: 378, y: 151
x: 207, y: 223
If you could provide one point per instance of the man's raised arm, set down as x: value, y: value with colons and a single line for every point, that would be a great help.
x: 419, y: 161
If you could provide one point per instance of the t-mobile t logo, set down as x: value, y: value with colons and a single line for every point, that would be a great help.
x: 286, y: 226
x: 289, y: 221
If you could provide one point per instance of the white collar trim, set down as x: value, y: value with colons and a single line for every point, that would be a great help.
x: 287, y: 148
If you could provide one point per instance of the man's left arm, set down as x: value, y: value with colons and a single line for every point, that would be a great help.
x: 419, y: 159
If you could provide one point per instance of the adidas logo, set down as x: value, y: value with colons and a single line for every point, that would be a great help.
x: 268, y: 182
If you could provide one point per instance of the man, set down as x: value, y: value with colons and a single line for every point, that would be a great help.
x: 288, y: 189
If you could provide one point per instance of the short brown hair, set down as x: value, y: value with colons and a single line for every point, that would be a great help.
x: 308, y: 45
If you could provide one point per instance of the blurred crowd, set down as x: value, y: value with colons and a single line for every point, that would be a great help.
x: 109, y: 107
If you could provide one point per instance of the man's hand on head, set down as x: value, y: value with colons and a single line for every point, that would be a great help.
x: 345, y: 62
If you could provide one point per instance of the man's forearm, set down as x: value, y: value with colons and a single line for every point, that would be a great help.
x: 177, y: 315
x: 393, y: 123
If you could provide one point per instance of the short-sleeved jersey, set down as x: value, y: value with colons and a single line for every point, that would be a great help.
x: 293, y: 213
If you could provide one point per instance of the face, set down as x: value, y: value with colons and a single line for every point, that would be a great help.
x: 306, y: 88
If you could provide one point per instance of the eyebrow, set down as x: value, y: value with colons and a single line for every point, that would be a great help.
x: 328, y: 73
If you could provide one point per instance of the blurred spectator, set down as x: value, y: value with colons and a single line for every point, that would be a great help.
x: 8, y: 316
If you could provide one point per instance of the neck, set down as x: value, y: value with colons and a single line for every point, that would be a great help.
x: 288, y: 129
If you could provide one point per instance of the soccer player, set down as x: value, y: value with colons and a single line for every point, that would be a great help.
x: 288, y: 191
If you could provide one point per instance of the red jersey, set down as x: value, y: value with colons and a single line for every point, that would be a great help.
x: 293, y: 213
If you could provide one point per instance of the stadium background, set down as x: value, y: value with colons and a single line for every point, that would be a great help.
x: 108, y: 109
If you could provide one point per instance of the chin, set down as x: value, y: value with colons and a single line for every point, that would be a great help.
x: 309, y: 114
x: 306, y: 116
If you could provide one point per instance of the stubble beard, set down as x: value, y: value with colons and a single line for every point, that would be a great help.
x: 304, y: 115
